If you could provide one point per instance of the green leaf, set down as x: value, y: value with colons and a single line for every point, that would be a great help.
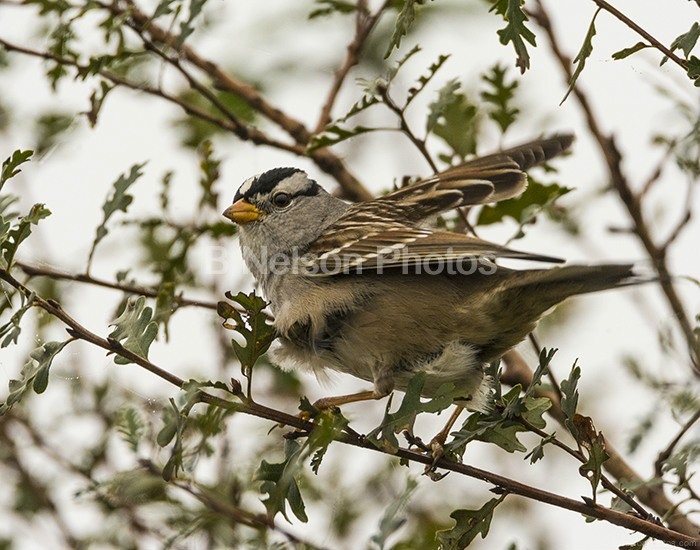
x: 174, y: 423
x: 583, y: 54
x: 542, y: 369
x: 469, y: 524
x: 594, y: 444
x: 135, y: 329
x: 11, y: 330
x: 12, y: 238
x: 329, y: 425
x: 60, y: 41
x: 525, y: 208
x: 423, y: 81
x: 186, y: 27
x: 209, y: 167
x: 10, y: 166
x: 367, y: 101
x: 330, y: 7
x: 130, y: 426
x: 254, y: 326
x: 404, y: 21
x: 694, y: 70
x: 515, y: 30
x: 569, y: 396
x: 280, y: 484
x: 384, y: 435
x: 118, y: 201
x: 500, y: 96
x: 686, y: 41
x: 34, y: 375
x: 165, y: 306
x: 335, y: 134
x: 48, y: 129
x: 97, y: 99
x: 537, y: 452
x: 391, y: 520
x: 454, y: 118
x: 626, y: 52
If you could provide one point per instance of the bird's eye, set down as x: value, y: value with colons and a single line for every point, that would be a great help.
x: 281, y: 200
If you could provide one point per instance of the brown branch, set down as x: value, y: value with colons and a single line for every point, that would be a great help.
x: 503, y: 483
x: 620, y: 183
x: 235, y: 514
x: 602, y: 4
x: 364, y: 23
x: 324, y: 159
x: 668, y: 451
x: 242, y: 131
x: 406, y: 129
x: 148, y: 291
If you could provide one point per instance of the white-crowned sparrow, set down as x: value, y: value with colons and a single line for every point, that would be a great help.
x: 368, y: 290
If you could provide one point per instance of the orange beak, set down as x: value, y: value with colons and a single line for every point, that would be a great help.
x: 242, y: 212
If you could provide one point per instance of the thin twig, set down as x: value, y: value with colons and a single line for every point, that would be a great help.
x: 406, y: 129
x: 668, y: 451
x: 148, y: 291
x: 364, y: 23
x: 244, y: 132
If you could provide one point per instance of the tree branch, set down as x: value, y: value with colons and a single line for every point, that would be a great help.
x: 242, y: 131
x: 364, y: 23
x: 324, y: 159
x: 149, y: 291
x: 248, y: 407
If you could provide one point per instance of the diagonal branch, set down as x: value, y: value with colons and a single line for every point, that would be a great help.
x: 142, y: 24
x: 364, y: 23
x: 149, y: 291
x: 501, y: 483
x: 239, y: 129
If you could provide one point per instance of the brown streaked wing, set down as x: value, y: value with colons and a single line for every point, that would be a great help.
x: 398, y: 247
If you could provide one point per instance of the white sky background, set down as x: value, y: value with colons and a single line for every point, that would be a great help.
x: 74, y: 179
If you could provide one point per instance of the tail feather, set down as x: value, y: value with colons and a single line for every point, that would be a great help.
x: 527, y: 295
x: 560, y: 283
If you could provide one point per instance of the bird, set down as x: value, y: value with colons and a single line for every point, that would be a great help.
x: 374, y: 290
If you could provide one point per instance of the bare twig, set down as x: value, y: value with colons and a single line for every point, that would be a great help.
x: 149, y: 291
x: 406, y: 129
x: 503, y: 483
x: 364, y: 23
x: 244, y: 132
x: 324, y: 159
x: 668, y: 451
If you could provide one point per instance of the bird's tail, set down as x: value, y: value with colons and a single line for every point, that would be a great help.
x: 556, y: 284
x: 527, y: 295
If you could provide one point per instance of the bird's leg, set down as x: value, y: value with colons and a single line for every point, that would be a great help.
x: 336, y: 401
x: 438, y: 442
